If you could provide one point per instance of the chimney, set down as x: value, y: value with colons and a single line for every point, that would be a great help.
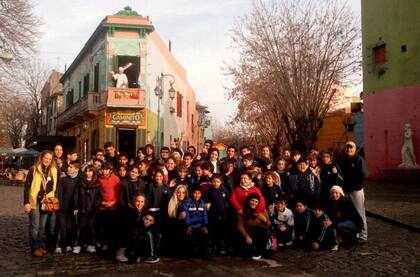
x: 170, y: 46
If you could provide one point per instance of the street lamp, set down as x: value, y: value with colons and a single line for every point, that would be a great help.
x: 159, y: 92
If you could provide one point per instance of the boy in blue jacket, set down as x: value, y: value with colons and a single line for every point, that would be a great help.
x: 196, y: 221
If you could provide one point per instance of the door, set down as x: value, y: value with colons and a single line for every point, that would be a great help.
x: 127, y: 141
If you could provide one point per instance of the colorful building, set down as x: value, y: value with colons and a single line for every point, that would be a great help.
x: 391, y: 80
x: 156, y: 107
x: 51, y: 103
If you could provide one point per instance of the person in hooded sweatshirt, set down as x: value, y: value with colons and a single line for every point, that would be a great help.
x: 130, y: 187
x: 86, y: 208
x: 67, y: 196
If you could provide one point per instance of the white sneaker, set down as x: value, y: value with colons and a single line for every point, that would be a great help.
x: 289, y: 243
x: 256, y: 257
x: 68, y: 249
x: 121, y: 255
x: 58, y: 250
x: 77, y: 249
x: 91, y: 249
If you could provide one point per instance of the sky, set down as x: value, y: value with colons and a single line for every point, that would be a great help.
x: 199, y: 31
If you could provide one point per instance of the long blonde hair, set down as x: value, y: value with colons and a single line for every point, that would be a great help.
x: 38, y: 162
x: 173, y: 202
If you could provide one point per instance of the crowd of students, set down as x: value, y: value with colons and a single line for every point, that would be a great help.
x: 196, y: 205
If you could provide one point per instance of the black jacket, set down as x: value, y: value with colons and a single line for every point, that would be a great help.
x: 128, y: 190
x: 329, y: 179
x: 219, y: 200
x: 305, y: 186
x: 67, y: 192
x: 343, y: 210
x: 354, y: 173
x: 271, y: 194
x: 89, y: 198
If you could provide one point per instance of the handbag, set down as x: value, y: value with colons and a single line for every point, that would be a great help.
x: 48, y: 203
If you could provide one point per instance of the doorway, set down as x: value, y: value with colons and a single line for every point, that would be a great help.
x: 127, y: 141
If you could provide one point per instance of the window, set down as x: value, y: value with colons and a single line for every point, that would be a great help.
x: 69, y: 98
x: 188, y: 111
x: 192, y: 125
x: 380, y: 55
x: 96, y: 78
x: 132, y: 71
x: 80, y: 89
x: 86, y: 84
x: 178, y: 104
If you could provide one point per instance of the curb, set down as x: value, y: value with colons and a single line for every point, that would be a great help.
x: 394, y: 222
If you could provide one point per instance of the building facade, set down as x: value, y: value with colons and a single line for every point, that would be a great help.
x: 391, y: 80
x: 156, y: 106
x: 51, y: 103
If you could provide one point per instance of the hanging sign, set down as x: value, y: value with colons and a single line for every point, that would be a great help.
x: 126, y: 118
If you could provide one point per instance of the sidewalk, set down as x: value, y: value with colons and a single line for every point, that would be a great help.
x: 399, y: 202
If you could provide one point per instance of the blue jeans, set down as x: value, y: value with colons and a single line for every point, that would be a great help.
x: 37, y: 220
x: 347, y: 228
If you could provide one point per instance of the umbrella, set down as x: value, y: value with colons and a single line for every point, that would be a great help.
x: 4, y: 151
x: 25, y: 152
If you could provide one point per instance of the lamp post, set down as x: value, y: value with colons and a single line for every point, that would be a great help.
x: 159, y: 92
x: 85, y: 128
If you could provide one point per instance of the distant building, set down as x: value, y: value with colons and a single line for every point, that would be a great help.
x: 96, y: 111
x: 51, y: 103
x: 391, y: 80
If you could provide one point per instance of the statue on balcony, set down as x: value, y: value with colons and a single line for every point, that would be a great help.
x: 407, y: 152
x: 120, y: 77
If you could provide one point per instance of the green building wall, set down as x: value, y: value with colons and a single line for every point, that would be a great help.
x: 395, y: 23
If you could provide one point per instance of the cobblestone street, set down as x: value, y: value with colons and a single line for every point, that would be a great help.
x: 390, y: 251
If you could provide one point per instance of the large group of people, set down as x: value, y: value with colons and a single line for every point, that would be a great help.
x: 195, y: 205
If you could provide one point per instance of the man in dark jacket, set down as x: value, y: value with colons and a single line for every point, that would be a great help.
x: 355, y: 175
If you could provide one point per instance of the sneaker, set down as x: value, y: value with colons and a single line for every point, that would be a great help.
x: 256, y: 258
x: 334, y: 248
x: 68, y: 249
x: 91, y: 249
x: 280, y: 244
x: 58, y: 250
x: 121, y: 255
x: 152, y: 260
x: 138, y: 260
x: 289, y: 243
x: 223, y: 252
x: 104, y: 247
x: 361, y: 241
x: 77, y: 249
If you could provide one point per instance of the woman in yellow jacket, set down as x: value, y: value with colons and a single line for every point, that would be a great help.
x: 41, y: 180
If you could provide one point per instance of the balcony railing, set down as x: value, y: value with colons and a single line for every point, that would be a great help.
x: 95, y: 101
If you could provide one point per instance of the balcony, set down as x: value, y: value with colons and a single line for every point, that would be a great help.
x: 90, y: 105
x: 85, y: 107
x: 125, y: 98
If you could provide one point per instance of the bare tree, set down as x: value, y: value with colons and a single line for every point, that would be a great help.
x: 292, y: 56
x: 18, y: 28
x: 15, y: 114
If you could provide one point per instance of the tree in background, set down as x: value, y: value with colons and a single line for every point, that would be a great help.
x: 292, y: 56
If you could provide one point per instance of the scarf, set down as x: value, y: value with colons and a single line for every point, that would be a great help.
x: 38, y: 178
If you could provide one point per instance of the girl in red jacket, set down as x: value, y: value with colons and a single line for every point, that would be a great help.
x: 241, y: 192
x: 107, y: 217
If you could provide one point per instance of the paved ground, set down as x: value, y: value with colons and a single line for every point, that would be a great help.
x: 400, y: 202
x: 390, y: 250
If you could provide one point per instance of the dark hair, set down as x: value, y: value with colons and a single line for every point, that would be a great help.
x: 281, y: 199
x: 301, y: 200
x: 108, y: 165
x: 189, y: 154
x: 133, y: 167
x: 140, y: 149
x: 98, y: 160
x: 123, y: 154
x: 193, y: 147
x: 207, y: 166
x: 149, y: 146
x: 231, y: 147
x: 217, y: 176
x: 312, y: 158
x: 76, y: 164
x: 97, y: 151
x: 247, y: 174
x: 93, y: 169
x: 158, y: 171
x: 209, y: 141
x: 71, y: 151
x: 109, y: 144
x: 248, y: 157
x: 146, y: 162
x: 166, y: 148
x: 182, y: 167
x: 214, y: 150
x: 244, y: 147
x: 301, y: 160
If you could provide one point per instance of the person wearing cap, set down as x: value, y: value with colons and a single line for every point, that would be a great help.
x: 343, y: 215
x: 354, y: 171
x: 253, y: 226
